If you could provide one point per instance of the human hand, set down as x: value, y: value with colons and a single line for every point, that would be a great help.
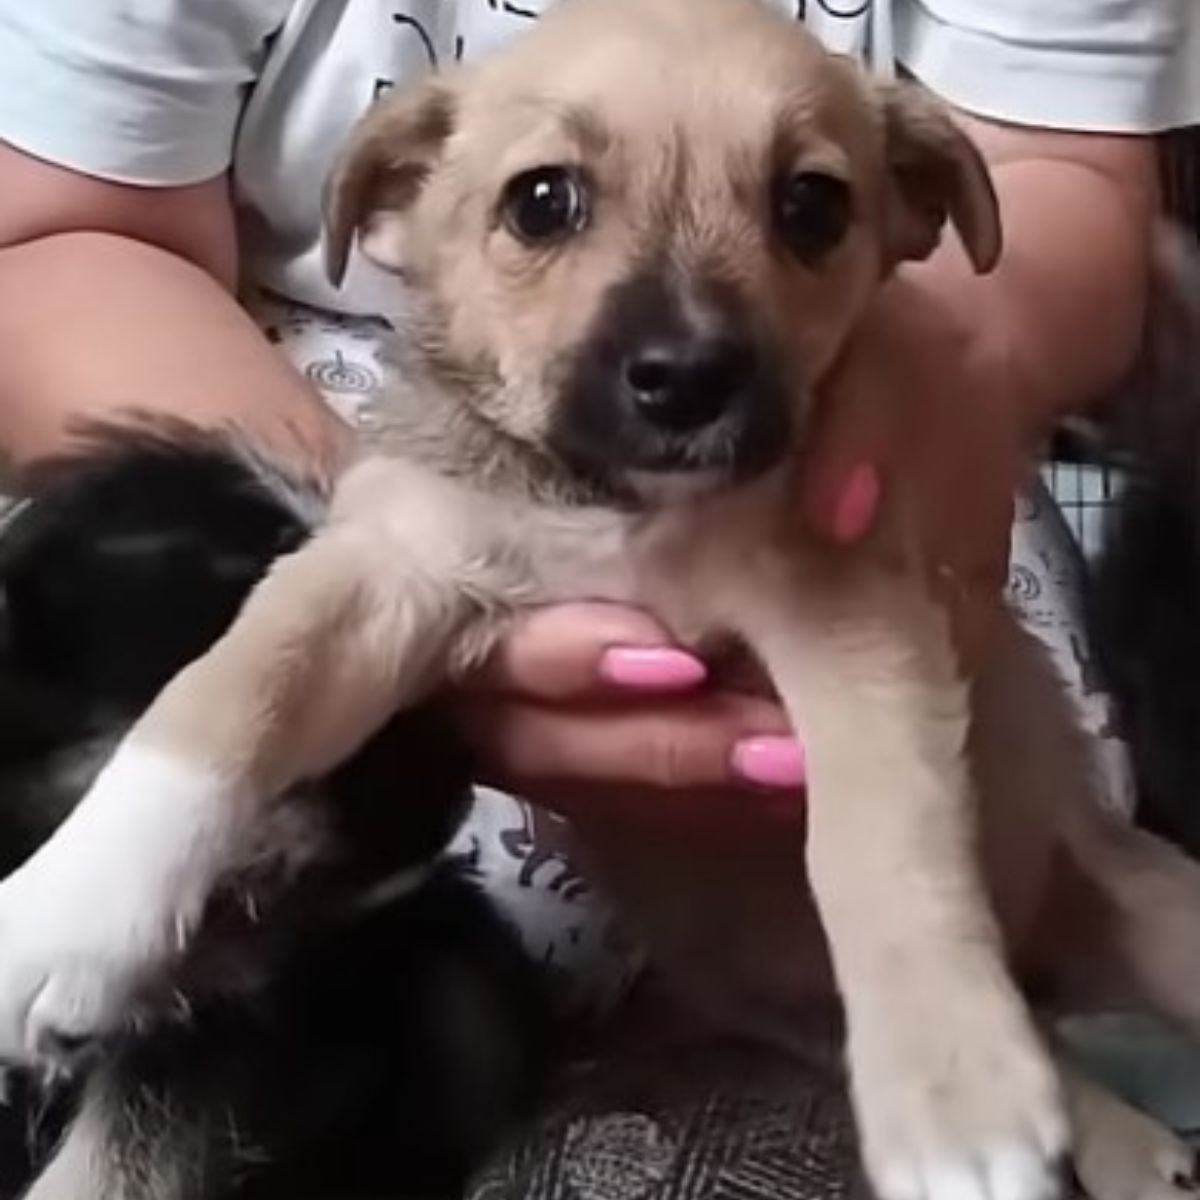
x: 590, y: 710
x: 926, y: 409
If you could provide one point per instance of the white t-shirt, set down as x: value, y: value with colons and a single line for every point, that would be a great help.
x: 175, y: 91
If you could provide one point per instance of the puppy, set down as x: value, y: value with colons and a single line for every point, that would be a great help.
x: 634, y: 246
x: 351, y: 1018
x: 1146, y: 590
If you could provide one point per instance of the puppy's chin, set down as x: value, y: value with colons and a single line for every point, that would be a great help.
x: 662, y: 489
x: 653, y: 474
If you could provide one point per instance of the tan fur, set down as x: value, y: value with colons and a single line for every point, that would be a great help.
x: 1121, y: 1154
x: 682, y: 112
x: 681, y: 174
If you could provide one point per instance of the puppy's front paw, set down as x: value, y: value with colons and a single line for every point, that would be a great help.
x: 1123, y: 1154
x: 959, y: 1103
x: 105, y: 905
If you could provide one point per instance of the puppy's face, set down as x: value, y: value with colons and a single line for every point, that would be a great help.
x: 639, y: 237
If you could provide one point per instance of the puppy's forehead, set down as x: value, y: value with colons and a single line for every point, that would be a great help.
x: 720, y: 69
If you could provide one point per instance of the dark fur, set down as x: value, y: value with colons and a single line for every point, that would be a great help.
x: 1145, y: 595
x: 694, y: 389
x: 313, y: 1042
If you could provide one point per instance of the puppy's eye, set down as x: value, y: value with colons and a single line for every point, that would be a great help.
x: 812, y: 213
x: 544, y: 204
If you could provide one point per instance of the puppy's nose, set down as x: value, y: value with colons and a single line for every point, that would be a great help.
x: 685, y: 385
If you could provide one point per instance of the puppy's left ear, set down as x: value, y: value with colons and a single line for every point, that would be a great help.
x: 936, y: 173
x: 381, y: 172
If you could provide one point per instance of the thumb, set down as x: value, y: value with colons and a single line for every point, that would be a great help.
x: 842, y: 474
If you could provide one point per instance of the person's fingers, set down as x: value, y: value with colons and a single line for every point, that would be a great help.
x: 851, y: 503
x: 577, y: 651
x: 712, y: 740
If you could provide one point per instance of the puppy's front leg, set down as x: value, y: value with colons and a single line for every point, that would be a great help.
x: 956, y: 1097
x: 340, y: 634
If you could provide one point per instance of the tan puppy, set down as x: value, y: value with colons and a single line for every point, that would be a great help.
x: 635, y: 244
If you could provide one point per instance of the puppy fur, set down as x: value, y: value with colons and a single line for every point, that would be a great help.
x: 1145, y: 594
x: 635, y: 244
x: 351, y: 1018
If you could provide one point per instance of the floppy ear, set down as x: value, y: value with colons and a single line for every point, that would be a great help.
x: 380, y: 173
x: 936, y: 174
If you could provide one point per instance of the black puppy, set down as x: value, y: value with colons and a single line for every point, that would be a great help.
x: 1144, y: 600
x: 354, y: 1018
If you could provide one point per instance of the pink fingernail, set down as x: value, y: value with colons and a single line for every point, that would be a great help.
x: 772, y: 762
x: 651, y: 668
x: 857, y: 505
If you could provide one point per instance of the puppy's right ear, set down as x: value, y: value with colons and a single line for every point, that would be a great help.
x: 381, y: 172
x: 936, y: 174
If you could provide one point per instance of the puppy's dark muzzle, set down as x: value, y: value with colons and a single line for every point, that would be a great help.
x: 672, y: 383
x: 684, y: 386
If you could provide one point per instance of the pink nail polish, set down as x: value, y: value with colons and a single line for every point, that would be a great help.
x: 771, y: 762
x: 651, y: 668
x: 857, y: 505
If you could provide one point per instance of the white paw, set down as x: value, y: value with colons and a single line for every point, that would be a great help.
x: 961, y: 1105
x: 1160, y: 1168
x: 1123, y: 1154
x: 97, y: 913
